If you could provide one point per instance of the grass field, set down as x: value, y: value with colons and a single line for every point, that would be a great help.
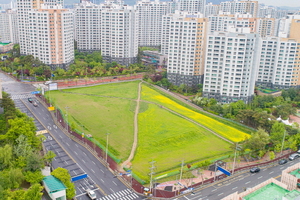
x: 163, y: 136
x: 226, y: 131
x: 97, y: 116
x: 168, y: 139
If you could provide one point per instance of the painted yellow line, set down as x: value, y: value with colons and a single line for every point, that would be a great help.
x: 277, y: 177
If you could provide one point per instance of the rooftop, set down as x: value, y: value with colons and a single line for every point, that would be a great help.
x: 292, y: 195
x: 53, y: 184
x: 268, y: 192
x: 296, y: 173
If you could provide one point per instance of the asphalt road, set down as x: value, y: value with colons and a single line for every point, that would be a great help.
x: 238, y: 183
x: 70, y: 155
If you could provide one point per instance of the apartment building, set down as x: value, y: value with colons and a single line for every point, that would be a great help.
x: 211, y: 9
x: 119, y: 33
x: 51, y: 35
x: 46, y: 32
x: 241, y: 7
x: 9, y: 26
x: 186, y: 49
x: 278, y: 65
x: 231, y: 65
x: 149, y: 14
x: 88, y: 26
x: 193, y: 6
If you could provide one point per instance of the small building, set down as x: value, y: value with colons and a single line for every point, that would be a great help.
x: 55, y: 188
x: 154, y: 58
x: 269, y: 190
x: 6, y: 47
x: 291, y: 176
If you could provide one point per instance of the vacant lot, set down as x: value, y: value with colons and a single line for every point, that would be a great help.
x: 168, y: 139
x: 226, y: 131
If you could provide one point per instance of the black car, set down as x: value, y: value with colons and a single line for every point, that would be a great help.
x: 30, y: 100
x: 254, y: 170
x: 282, y: 161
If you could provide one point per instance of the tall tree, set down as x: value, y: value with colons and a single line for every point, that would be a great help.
x: 63, y: 175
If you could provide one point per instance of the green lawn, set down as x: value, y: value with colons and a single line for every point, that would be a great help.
x: 99, y: 115
x: 124, y: 89
x: 168, y: 139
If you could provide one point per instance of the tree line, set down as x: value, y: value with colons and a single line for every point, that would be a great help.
x: 22, y: 158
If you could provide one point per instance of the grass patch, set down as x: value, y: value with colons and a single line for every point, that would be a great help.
x: 123, y: 89
x: 99, y: 115
x: 217, y: 126
x: 168, y: 139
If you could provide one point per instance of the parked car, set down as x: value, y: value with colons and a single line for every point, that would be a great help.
x: 282, y: 161
x: 91, y: 194
x: 30, y: 100
x: 254, y: 170
x: 294, y: 156
x: 34, y: 103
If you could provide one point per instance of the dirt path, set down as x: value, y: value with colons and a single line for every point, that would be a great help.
x: 127, y: 163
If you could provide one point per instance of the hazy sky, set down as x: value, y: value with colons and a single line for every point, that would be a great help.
x: 291, y: 3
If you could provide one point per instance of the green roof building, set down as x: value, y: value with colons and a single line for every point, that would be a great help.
x: 55, y: 188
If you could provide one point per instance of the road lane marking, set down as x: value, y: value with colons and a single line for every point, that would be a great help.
x: 271, y: 172
x: 259, y: 177
x: 220, y: 194
x: 114, y: 183
x: 60, y: 136
x: 75, y: 152
x: 214, y: 190
x: 277, y: 177
x: 94, y: 162
x: 93, y: 171
x: 247, y: 182
x: 264, y: 170
x: 84, y: 153
x: 234, y: 188
x: 185, y: 197
x: 101, y: 180
x: 102, y: 171
x: 67, y: 144
x: 281, y: 167
x: 83, y: 161
x: 112, y: 190
x: 76, y: 145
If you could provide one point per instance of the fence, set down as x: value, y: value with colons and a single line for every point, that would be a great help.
x: 130, y: 180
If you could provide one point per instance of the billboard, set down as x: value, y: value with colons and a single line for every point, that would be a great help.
x: 52, y: 86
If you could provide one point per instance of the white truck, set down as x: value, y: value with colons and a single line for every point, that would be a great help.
x: 91, y: 194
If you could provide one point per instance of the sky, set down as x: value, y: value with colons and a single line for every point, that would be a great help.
x: 290, y: 3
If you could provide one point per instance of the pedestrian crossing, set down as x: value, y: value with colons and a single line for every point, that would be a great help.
x: 121, y: 195
x: 21, y: 96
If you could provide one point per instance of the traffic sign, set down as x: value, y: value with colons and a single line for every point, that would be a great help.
x: 35, y: 92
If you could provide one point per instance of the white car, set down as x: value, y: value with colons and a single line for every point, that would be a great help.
x: 91, y: 194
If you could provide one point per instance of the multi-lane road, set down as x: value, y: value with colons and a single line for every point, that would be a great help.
x: 79, y: 161
x: 69, y: 154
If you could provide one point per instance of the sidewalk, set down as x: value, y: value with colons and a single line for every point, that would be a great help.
x: 206, y: 174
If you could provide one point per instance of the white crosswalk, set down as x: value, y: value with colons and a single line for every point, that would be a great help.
x: 121, y: 195
x: 21, y: 96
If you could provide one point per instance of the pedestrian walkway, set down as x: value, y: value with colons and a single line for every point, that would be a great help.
x: 121, y: 195
x: 22, y: 96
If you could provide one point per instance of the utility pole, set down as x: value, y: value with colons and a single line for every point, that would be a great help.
x: 181, y: 171
x: 234, y: 158
x: 282, y: 142
x: 151, y: 174
x: 107, y: 134
x: 67, y: 108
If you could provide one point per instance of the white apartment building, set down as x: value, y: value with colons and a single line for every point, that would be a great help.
x: 278, y: 65
x: 88, y: 26
x: 231, y: 66
x: 211, y: 9
x: 51, y: 35
x: 186, y: 49
x: 193, y: 6
x: 46, y: 32
x: 119, y: 33
x: 149, y: 14
x: 241, y: 7
x: 9, y: 26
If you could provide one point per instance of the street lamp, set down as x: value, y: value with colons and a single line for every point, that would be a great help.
x: 282, y: 142
x: 67, y: 118
x: 107, y: 134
